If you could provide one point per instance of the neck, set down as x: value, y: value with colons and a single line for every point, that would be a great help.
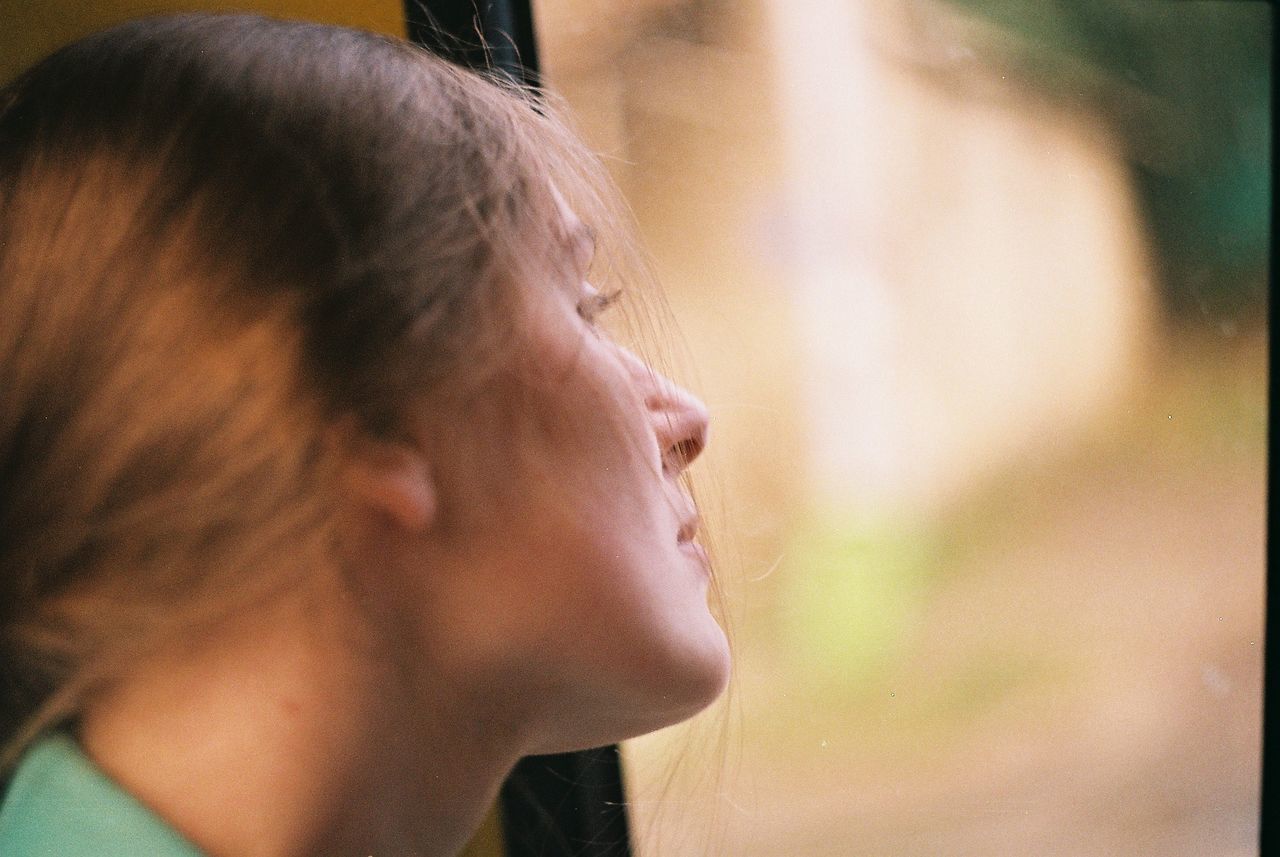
x: 284, y: 736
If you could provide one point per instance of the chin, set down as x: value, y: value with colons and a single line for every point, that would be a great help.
x: 704, y: 683
x: 672, y: 693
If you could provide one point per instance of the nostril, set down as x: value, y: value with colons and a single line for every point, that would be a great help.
x: 687, y: 450
x: 682, y: 453
x: 681, y: 425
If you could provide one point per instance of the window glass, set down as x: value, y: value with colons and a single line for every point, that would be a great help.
x: 977, y: 295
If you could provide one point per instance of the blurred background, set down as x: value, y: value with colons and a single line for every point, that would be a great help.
x: 977, y: 293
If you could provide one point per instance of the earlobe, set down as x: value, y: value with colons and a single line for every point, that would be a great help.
x: 392, y: 478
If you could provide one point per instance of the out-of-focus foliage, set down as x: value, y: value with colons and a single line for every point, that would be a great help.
x: 856, y: 590
x: 1186, y: 85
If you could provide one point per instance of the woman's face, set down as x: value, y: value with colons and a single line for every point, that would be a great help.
x: 565, y: 586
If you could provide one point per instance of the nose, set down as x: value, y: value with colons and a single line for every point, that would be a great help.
x: 680, y: 421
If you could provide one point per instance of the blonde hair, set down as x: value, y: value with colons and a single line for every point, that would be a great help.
x: 219, y: 234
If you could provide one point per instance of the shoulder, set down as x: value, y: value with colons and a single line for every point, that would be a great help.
x: 59, y: 802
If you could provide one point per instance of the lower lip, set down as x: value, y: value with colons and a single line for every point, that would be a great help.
x: 696, y: 552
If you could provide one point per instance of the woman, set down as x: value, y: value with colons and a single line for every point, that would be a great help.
x: 323, y: 497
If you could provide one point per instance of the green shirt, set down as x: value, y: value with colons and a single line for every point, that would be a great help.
x: 60, y: 804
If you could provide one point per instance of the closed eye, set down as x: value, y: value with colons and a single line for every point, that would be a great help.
x: 593, y: 305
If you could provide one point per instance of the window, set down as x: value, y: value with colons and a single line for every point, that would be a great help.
x: 977, y: 292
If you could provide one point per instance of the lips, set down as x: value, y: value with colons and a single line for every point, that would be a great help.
x: 688, y: 529
x: 684, y: 539
x: 690, y: 548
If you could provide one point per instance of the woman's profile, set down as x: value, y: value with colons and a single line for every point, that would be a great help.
x: 323, y: 496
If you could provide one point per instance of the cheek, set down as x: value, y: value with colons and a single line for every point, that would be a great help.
x: 592, y: 426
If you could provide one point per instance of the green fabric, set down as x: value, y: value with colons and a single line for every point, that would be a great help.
x: 60, y: 804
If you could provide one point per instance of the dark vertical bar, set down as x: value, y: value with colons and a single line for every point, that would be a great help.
x: 567, y: 805
x: 1268, y: 839
x: 480, y: 34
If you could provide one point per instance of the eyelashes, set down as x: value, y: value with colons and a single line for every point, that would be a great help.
x: 594, y: 304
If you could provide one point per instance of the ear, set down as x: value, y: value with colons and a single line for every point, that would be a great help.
x: 391, y: 478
